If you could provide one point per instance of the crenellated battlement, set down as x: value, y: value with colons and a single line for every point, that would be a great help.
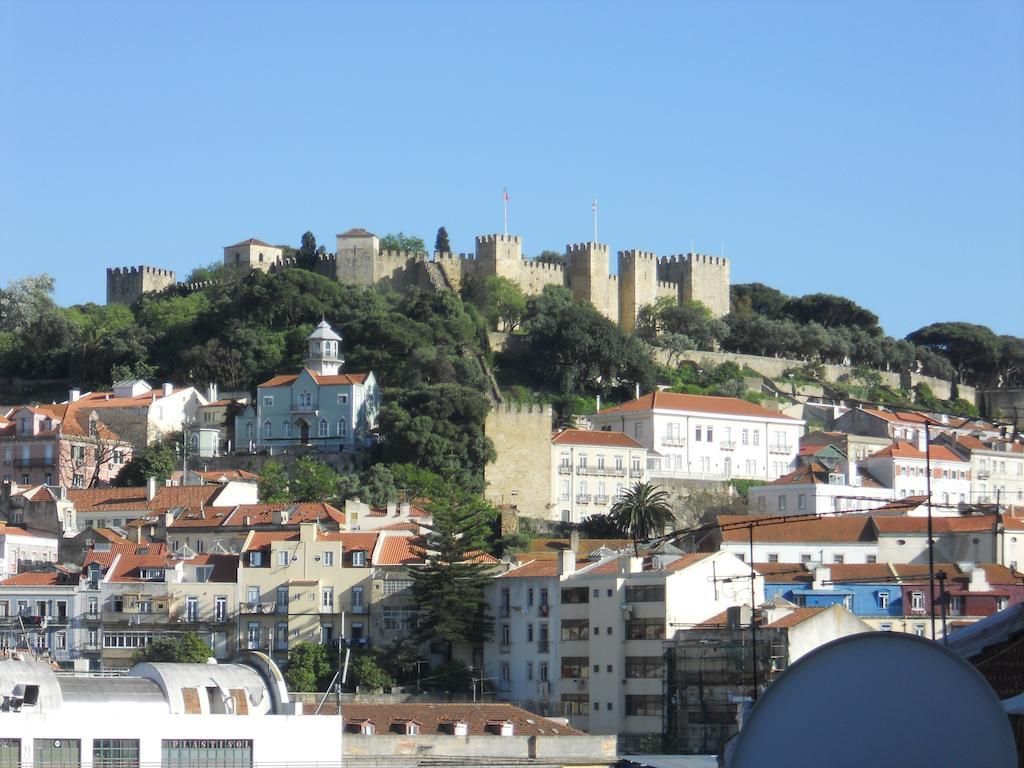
x: 444, y: 256
x: 140, y: 270
x: 544, y: 266
x: 499, y: 239
x: 703, y: 258
x: 662, y: 285
x: 582, y: 248
x: 634, y: 256
x: 525, y: 409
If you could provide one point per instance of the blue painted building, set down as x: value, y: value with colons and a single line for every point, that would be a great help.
x: 319, y: 409
x: 868, y: 590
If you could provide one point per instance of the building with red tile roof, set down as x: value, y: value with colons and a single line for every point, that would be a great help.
x: 703, y: 437
x: 319, y: 406
x: 821, y: 488
x: 904, y: 468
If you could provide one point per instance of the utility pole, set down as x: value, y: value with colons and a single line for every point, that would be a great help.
x: 931, y: 540
x: 753, y: 606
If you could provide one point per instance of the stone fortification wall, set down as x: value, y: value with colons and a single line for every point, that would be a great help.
x: 126, y: 284
x: 534, y: 275
x: 706, y: 279
x: 521, y: 475
x: 588, y: 278
x: 772, y: 367
x: 456, y: 267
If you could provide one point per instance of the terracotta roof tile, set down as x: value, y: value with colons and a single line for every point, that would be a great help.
x: 797, y: 616
x: 251, y: 241
x: 846, y: 528
x: 357, y: 232
x: 437, y: 718
x: 401, y: 550
x: 301, y: 512
x: 672, y: 401
x: 342, y: 378
x: 594, y: 437
x: 904, y: 450
x: 904, y: 524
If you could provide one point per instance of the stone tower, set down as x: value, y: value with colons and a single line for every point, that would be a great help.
x: 638, y: 280
x: 357, y: 257
x: 500, y: 255
x: 706, y: 279
x: 587, y: 276
x: 126, y: 284
x: 252, y: 255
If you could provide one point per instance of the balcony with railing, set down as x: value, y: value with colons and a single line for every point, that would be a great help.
x: 565, y: 469
x: 582, y: 498
x: 601, y: 498
x: 34, y: 461
x: 250, y: 609
x: 780, y: 448
x: 636, y: 472
x: 727, y: 445
x: 673, y: 441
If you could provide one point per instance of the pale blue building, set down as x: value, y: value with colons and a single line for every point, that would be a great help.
x: 319, y: 409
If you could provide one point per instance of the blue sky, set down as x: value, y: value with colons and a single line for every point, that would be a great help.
x: 869, y: 149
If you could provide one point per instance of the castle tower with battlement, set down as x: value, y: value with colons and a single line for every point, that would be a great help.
x: 638, y: 285
x: 500, y: 255
x: 699, y: 277
x: 126, y: 284
x: 587, y: 269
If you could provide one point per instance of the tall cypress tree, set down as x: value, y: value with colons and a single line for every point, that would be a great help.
x: 449, y: 589
x: 441, y: 244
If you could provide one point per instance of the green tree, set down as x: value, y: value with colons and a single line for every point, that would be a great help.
x: 212, y: 271
x: 157, y: 461
x: 831, y: 312
x: 551, y: 257
x: 757, y: 298
x: 312, y: 480
x: 399, y: 241
x: 452, y: 676
x: 310, y: 667
x: 368, y: 675
x: 273, y: 485
x: 308, y: 252
x: 378, y: 486
x: 181, y: 649
x: 441, y: 244
x: 449, y: 589
x: 24, y: 301
x: 643, y: 511
x: 507, y: 303
x: 126, y: 372
x: 973, y: 350
x: 415, y: 482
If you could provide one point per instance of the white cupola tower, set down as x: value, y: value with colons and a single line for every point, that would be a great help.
x: 324, y: 355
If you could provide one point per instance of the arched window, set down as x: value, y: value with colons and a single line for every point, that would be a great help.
x: 342, y: 428
x: 193, y: 441
x: 286, y: 429
x: 249, y: 431
x: 268, y: 429
x: 305, y: 399
x: 322, y: 428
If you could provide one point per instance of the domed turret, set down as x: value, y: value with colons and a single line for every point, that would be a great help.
x: 324, y: 354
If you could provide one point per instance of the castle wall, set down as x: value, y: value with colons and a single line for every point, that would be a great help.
x: 499, y: 255
x: 534, y: 275
x: 355, y: 262
x: 126, y: 284
x: 521, y: 474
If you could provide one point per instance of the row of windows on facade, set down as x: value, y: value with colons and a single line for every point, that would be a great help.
x: 999, y: 467
x: 706, y: 433
x: 580, y: 629
x: 643, y: 593
x: 679, y: 463
x: 583, y: 491
x: 578, y: 667
x: 124, y: 753
x: 565, y: 461
x: 305, y: 400
x: 636, y: 705
x: 284, y: 558
x: 323, y: 429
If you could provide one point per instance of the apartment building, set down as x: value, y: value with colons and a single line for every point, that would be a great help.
x: 904, y: 468
x: 590, y: 470
x: 595, y: 633
x: 40, y: 610
x: 820, y: 488
x: 997, y: 468
x: 140, y: 414
x: 700, y: 437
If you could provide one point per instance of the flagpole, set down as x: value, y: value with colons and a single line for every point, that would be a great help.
x: 594, y: 209
x: 504, y: 200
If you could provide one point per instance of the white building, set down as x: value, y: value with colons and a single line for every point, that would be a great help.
x: 40, y: 610
x: 172, y: 715
x: 997, y: 468
x: 590, y: 469
x: 701, y: 437
x: 838, y: 539
x: 141, y: 414
x: 19, y: 548
x: 818, y: 489
x: 597, y: 640
x: 903, y: 467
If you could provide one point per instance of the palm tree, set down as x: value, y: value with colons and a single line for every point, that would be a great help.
x: 642, y: 512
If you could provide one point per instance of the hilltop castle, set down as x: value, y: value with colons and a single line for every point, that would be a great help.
x: 642, y: 277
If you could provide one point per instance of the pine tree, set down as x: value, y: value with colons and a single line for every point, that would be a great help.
x: 449, y: 589
x: 441, y: 244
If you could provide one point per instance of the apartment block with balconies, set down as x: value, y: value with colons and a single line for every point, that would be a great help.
x: 591, y: 470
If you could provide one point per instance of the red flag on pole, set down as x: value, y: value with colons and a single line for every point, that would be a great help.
x: 504, y: 194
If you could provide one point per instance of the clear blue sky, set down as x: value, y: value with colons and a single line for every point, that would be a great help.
x: 870, y: 149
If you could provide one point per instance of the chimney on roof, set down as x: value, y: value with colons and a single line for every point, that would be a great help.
x: 821, y: 575
x: 921, y: 438
x: 979, y: 581
x: 73, y: 395
x: 211, y: 392
x: 150, y: 488
x: 392, y: 509
x: 168, y: 388
x: 566, y: 562
x: 574, y: 541
x: 737, y: 617
x: 279, y: 517
x: 628, y: 565
x: 404, y: 508
x: 307, y: 532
